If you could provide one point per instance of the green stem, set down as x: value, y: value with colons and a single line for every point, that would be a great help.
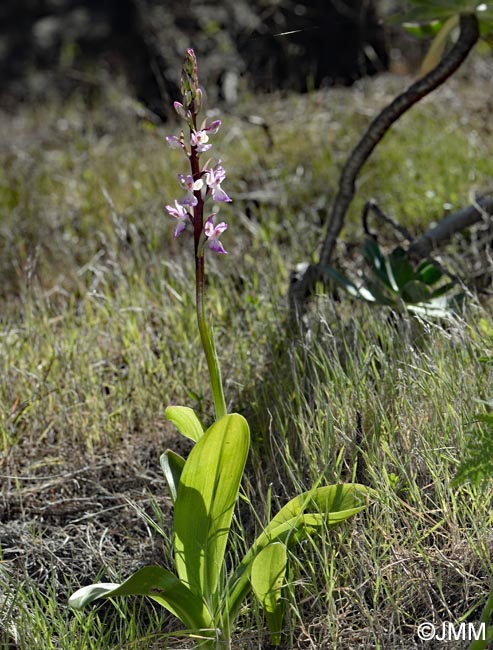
x: 207, y: 339
x: 206, y: 335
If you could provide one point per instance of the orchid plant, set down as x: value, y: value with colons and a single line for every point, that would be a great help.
x: 204, y: 488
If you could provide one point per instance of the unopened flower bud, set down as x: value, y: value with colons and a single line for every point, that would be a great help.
x: 189, y: 78
x: 198, y: 100
x: 187, y: 96
x: 181, y: 110
x: 190, y: 66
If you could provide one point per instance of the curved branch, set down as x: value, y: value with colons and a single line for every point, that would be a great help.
x: 468, y: 37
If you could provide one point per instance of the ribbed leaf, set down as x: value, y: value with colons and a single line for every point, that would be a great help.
x: 441, y: 291
x: 185, y: 420
x: 299, y: 518
x: 206, y: 498
x: 376, y: 261
x: 484, y: 14
x: 336, y: 502
x: 267, y: 578
x: 401, y: 268
x: 160, y: 585
x: 357, y: 292
x: 428, y: 273
x: 436, y: 308
x: 172, y: 465
x: 415, y: 292
x: 381, y: 292
x: 430, y: 10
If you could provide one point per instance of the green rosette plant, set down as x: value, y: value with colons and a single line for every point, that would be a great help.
x: 204, y: 488
x: 393, y: 281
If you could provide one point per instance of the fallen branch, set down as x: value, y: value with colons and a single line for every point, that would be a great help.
x: 453, y: 223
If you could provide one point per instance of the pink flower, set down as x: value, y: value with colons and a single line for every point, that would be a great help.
x: 214, y: 177
x: 181, y: 213
x: 199, y: 140
x: 190, y: 186
x: 213, y: 233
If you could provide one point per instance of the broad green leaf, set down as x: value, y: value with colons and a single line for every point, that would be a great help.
x: 437, y: 48
x: 300, y: 517
x: 445, y: 288
x: 267, y: 578
x: 428, y: 273
x: 206, y: 499
x: 362, y: 293
x: 215, y: 375
x: 382, y: 294
x: 336, y: 502
x: 376, y: 261
x: 486, y: 327
x: 185, y: 420
x: 393, y: 283
x: 160, y: 585
x: 414, y: 292
x: 172, y: 465
x: 400, y: 267
x: 430, y: 11
x: 436, y: 308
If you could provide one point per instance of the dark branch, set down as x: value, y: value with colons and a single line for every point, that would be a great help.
x: 455, y: 222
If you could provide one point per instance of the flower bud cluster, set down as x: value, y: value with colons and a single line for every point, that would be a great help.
x: 205, y: 181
